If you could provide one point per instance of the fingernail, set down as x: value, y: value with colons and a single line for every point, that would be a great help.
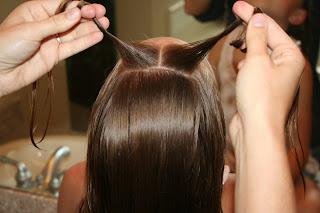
x: 73, y: 14
x: 226, y: 173
x: 243, y: 46
x: 258, y: 20
x: 240, y: 64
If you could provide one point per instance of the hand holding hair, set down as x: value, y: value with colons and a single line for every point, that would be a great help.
x: 266, y: 88
x: 272, y: 79
x: 29, y: 47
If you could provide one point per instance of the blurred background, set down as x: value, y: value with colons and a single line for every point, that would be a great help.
x: 78, y: 79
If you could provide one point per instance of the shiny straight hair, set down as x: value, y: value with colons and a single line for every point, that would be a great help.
x: 157, y: 134
x: 156, y: 138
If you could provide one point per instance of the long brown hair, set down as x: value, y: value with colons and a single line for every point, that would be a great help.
x: 157, y: 135
x: 157, y: 132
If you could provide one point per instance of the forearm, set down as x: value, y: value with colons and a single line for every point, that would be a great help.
x: 196, y: 7
x: 264, y: 182
x: 265, y: 89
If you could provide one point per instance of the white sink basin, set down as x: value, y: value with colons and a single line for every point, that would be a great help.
x: 35, y: 159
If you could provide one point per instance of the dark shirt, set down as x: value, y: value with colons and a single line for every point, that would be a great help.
x: 216, y: 10
x: 312, y: 55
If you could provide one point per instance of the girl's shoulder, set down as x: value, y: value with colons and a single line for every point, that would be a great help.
x: 72, y: 188
x: 227, y: 200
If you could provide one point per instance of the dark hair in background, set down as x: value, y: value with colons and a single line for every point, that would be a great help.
x: 302, y: 32
x: 309, y: 34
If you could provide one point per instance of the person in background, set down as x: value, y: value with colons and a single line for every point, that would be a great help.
x: 210, y: 10
x: 225, y: 60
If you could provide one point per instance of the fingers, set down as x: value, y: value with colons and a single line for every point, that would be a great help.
x: 285, y: 52
x: 257, y: 36
x: 52, y: 5
x: 243, y: 10
x: 53, y: 25
x: 276, y: 35
x: 83, y: 29
x: 93, y: 10
x: 73, y: 47
x: 63, y: 22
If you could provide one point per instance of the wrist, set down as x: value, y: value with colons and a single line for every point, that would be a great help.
x: 252, y: 135
x: 262, y: 168
x: 261, y: 140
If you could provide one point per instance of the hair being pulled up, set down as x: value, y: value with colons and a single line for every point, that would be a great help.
x: 157, y: 134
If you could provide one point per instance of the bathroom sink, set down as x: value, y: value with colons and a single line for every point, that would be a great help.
x: 35, y: 160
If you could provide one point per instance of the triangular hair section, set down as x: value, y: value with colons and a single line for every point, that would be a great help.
x: 135, y: 55
x: 190, y: 55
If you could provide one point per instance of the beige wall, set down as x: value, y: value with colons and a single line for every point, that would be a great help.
x: 7, y: 7
x: 140, y: 19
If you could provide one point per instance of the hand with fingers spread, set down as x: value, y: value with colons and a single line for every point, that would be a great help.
x: 265, y: 89
x: 33, y: 39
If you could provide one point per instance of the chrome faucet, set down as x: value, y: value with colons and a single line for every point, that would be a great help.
x: 23, y: 176
x: 50, y: 178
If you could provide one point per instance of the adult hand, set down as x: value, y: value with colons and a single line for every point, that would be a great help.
x: 265, y: 89
x: 266, y: 83
x: 28, y: 44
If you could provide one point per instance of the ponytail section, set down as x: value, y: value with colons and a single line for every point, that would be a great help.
x: 191, y: 55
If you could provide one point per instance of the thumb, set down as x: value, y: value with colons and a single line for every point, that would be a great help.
x: 257, y: 36
x: 55, y: 24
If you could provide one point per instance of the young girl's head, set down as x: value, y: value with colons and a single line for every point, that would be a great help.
x: 284, y: 12
x: 156, y: 140
x: 157, y: 135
